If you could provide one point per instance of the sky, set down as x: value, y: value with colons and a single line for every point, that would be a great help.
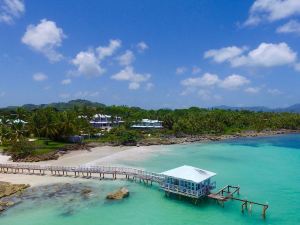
x: 151, y: 54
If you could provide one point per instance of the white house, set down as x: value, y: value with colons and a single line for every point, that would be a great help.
x: 105, y: 121
x: 147, y: 123
x: 188, y: 181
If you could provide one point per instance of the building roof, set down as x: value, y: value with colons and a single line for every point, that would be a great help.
x: 102, y: 116
x: 150, y: 121
x: 189, y: 173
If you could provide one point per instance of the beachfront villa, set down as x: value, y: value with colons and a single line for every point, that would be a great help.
x: 16, y: 121
x: 105, y: 121
x: 147, y: 123
x: 188, y: 181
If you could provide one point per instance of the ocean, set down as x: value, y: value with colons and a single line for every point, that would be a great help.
x: 266, y: 169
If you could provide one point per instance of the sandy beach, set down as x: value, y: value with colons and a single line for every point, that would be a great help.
x: 104, y: 155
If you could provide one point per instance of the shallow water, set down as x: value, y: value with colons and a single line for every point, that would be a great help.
x: 267, y: 169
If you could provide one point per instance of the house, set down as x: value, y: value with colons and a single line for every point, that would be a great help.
x: 188, y: 181
x: 147, y: 123
x: 105, y: 121
x: 16, y: 121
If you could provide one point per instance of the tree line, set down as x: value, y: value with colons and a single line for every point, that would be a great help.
x: 54, y: 124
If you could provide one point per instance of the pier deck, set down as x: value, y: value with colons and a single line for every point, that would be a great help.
x: 227, y: 193
x: 83, y: 172
x: 101, y: 172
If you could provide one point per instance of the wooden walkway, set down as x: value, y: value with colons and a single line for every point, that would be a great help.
x: 100, y: 172
x: 228, y: 192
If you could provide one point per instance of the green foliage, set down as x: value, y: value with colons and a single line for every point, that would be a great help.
x: 123, y: 136
x: 66, y: 119
x: 20, y: 149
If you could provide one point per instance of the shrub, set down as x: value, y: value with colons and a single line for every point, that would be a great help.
x: 121, y: 135
x: 20, y: 149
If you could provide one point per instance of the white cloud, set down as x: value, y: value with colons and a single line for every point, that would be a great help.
x: 142, y: 46
x: 106, y: 51
x: 11, y: 10
x: 88, y: 64
x: 126, y: 59
x: 293, y: 26
x: 252, y: 90
x: 234, y: 81
x: 206, y: 80
x: 265, y: 55
x: 66, y: 81
x: 128, y: 74
x: 45, y: 38
x: 134, y: 86
x: 272, y: 10
x: 224, y: 54
x: 39, y: 77
x: 274, y: 91
x: 209, y: 81
x: 181, y: 70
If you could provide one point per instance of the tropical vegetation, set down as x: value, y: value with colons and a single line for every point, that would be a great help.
x: 48, y: 123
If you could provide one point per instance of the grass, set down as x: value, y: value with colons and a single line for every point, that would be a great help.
x: 51, y: 146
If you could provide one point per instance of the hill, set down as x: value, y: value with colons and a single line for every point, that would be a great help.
x: 60, y: 106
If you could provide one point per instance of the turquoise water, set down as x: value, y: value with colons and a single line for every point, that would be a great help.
x: 267, y: 169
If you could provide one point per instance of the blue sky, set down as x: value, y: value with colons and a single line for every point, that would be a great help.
x: 153, y: 54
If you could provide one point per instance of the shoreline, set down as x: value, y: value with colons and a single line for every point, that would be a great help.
x: 103, y: 155
x: 116, y: 156
x: 214, y: 138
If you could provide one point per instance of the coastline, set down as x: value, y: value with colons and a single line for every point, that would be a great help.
x: 211, y: 138
x: 103, y: 155
x: 117, y: 156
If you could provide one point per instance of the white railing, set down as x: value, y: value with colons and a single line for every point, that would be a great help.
x: 90, y: 169
x: 184, y: 190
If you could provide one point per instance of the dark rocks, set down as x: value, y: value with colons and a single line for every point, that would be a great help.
x: 183, y: 139
x: 119, y: 194
x: 86, y: 192
x: 8, y: 190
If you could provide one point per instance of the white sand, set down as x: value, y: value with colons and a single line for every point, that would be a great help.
x: 105, y: 155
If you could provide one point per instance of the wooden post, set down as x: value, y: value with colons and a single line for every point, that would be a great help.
x: 264, y: 212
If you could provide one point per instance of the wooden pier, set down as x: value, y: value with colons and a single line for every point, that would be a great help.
x: 228, y: 192
x: 99, y: 172
x: 109, y: 172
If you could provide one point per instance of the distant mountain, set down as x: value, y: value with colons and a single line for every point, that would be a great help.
x: 60, y: 105
x: 254, y: 108
x: 293, y: 109
x: 80, y: 103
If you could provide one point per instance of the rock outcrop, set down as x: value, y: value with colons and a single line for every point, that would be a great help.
x: 119, y: 194
x: 7, y: 190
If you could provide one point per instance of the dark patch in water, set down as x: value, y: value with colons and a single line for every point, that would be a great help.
x: 68, y: 212
x: 70, y: 197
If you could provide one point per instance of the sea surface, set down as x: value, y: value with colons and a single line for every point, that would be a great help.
x: 267, y: 170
